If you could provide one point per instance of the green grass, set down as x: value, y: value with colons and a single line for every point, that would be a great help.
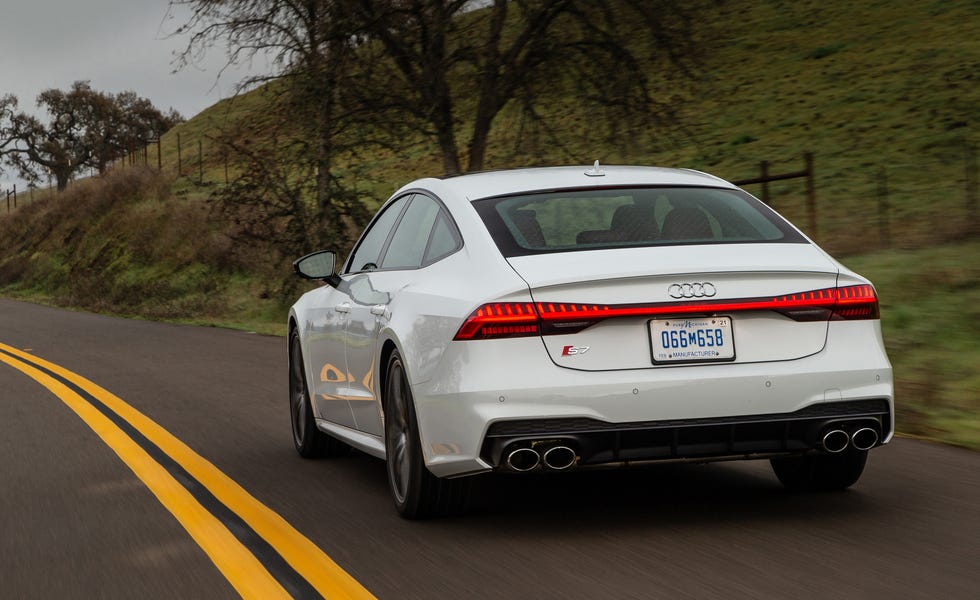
x: 930, y: 307
x: 870, y: 88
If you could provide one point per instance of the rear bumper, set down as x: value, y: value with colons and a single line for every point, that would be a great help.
x: 487, y: 396
x: 598, y: 442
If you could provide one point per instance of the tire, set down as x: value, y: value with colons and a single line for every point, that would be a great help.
x: 310, y: 442
x: 416, y: 492
x: 820, y: 472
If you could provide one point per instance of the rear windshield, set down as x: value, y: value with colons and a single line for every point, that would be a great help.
x: 615, y: 218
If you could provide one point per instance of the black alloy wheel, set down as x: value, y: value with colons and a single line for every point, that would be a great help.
x: 416, y: 492
x: 310, y: 442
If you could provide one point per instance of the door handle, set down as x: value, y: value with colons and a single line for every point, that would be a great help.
x: 379, y: 309
x: 343, y: 308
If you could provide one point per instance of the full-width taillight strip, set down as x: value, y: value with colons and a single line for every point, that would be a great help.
x: 519, y: 319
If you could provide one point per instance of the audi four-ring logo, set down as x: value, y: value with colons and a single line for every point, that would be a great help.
x: 692, y: 290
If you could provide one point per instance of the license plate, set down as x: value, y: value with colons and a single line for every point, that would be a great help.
x: 692, y: 340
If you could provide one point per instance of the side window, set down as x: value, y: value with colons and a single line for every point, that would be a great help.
x: 368, y: 251
x: 444, y: 240
x: 412, y: 235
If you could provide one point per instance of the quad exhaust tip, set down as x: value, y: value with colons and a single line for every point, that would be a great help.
x: 836, y: 440
x: 864, y: 438
x: 559, y: 458
x: 523, y: 459
x: 555, y: 458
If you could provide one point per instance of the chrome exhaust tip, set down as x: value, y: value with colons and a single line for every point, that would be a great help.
x: 835, y: 441
x: 523, y: 459
x: 559, y: 458
x: 864, y: 438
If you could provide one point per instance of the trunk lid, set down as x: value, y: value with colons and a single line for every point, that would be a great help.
x: 723, y: 275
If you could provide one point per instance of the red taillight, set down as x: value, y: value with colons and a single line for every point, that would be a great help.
x: 519, y: 319
x: 856, y: 302
x: 853, y: 302
x: 500, y: 320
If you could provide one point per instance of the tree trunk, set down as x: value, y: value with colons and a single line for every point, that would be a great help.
x: 325, y: 90
x: 487, y: 104
x: 442, y: 120
x: 62, y: 175
x: 478, y: 142
x: 450, y: 153
x: 327, y: 213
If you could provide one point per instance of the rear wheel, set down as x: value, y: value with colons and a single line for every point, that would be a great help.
x: 820, y: 472
x: 310, y: 442
x: 417, y: 493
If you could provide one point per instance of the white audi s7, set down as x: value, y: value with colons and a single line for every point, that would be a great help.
x: 563, y: 318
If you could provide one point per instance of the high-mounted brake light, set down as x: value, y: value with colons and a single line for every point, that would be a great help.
x: 520, y: 319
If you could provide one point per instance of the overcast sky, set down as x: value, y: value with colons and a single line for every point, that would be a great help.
x: 116, y: 44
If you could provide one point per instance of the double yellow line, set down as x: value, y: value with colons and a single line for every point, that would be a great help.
x: 270, y: 560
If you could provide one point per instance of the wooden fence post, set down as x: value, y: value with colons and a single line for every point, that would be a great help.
x: 811, y: 188
x: 811, y: 195
x: 971, y: 188
x: 884, y: 227
x: 764, y: 171
x: 159, y: 156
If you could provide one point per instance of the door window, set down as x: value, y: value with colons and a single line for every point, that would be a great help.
x: 368, y: 251
x: 444, y: 240
x: 411, y: 237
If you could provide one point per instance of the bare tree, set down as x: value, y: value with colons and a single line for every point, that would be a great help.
x: 312, y: 44
x: 348, y: 69
x: 454, y: 69
x: 8, y: 110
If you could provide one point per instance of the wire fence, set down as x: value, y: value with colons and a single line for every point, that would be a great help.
x: 15, y: 196
x: 923, y: 200
x: 145, y: 154
x: 918, y: 201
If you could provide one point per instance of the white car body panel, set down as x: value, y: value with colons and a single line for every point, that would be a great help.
x: 465, y: 399
x: 643, y: 275
x: 491, y: 184
x: 674, y: 262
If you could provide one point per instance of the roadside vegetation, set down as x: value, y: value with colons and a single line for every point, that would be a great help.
x: 930, y: 314
x: 125, y: 244
x: 884, y: 95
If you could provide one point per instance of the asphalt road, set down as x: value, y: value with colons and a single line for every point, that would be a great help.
x: 75, y: 522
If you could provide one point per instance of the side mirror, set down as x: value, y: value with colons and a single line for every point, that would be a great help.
x: 320, y: 265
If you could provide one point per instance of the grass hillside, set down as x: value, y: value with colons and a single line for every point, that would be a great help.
x: 884, y: 93
x: 126, y: 244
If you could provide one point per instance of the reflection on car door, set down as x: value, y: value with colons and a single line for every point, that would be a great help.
x: 331, y: 378
x: 376, y: 296
x: 368, y: 315
x: 326, y: 356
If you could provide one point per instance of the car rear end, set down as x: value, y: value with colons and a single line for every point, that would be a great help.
x: 660, y: 322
